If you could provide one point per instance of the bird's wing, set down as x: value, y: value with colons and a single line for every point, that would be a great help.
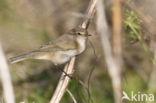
x: 65, y: 42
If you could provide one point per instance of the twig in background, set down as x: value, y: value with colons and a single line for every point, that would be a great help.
x: 117, y: 48
x: 6, y: 79
x: 113, y: 69
x: 73, y: 98
x: 69, y: 68
x: 90, y: 74
x: 117, y: 29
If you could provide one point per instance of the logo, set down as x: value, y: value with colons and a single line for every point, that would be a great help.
x: 140, y: 97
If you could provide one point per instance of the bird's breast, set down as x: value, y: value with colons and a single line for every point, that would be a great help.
x: 61, y: 57
x: 81, y: 44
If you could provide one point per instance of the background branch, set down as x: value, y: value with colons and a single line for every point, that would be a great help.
x: 6, y: 79
x: 117, y: 49
x: 113, y: 68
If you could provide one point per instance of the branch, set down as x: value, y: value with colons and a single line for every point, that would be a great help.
x: 117, y: 49
x: 117, y: 28
x: 69, y: 68
x: 6, y: 79
x: 63, y: 82
x: 113, y: 68
x: 89, y: 14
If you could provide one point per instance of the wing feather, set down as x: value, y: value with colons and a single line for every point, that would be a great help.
x: 65, y: 42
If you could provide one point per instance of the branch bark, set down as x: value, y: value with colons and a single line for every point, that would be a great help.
x: 63, y: 82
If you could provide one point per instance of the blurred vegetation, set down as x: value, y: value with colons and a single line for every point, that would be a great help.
x: 132, y: 22
x: 27, y: 24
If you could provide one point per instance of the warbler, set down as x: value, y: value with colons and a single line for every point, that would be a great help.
x: 59, y: 51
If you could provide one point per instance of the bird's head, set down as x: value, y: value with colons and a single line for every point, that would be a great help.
x: 80, y: 32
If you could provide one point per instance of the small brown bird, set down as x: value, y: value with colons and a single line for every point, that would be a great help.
x: 61, y: 50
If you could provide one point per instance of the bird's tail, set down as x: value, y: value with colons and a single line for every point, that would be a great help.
x: 20, y: 57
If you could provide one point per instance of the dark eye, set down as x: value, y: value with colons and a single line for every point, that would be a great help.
x: 79, y: 33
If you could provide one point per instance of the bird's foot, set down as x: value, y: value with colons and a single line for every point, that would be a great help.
x: 66, y: 74
x: 69, y: 75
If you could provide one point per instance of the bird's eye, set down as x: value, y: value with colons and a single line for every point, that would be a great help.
x: 79, y: 33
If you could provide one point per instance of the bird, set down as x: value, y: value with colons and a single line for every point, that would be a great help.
x: 59, y: 51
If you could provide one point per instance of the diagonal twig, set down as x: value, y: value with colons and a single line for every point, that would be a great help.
x: 63, y: 82
x: 73, y: 98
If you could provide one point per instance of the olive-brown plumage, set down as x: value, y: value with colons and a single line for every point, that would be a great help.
x: 59, y: 51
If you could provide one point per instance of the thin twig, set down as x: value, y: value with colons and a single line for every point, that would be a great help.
x: 69, y: 68
x: 6, y: 79
x: 89, y: 14
x: 73, y: 98
x: 113, y: 69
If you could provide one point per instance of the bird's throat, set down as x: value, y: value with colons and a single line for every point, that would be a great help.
x: 81, y: 44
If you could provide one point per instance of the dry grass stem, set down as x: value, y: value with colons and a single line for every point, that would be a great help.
x: 117, y: 49
x: 71, y: 95
x: 63, y: 82
x: 89, y: 14
x: 6, y: 79
x: 117, y: 28
x: 113, y: 69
